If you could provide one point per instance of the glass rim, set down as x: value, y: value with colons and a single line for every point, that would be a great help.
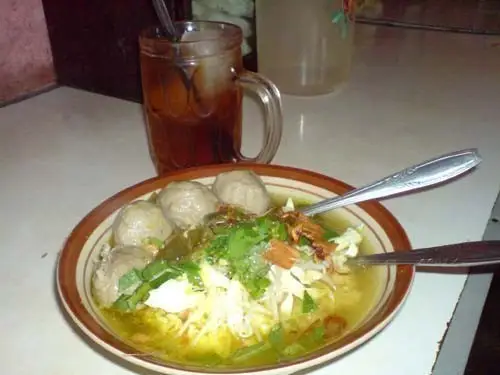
x: 230, y: 31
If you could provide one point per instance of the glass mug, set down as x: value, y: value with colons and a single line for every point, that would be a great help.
x: 193, y: 95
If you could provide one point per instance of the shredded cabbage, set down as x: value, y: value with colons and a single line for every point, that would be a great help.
x: 232, y: 298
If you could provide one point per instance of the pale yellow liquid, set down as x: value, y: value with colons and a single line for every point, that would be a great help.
x: 355, y: 297
x: 299, y: 48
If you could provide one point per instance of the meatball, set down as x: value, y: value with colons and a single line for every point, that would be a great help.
x: 139, y: 221
x: 242, y: 188
x: 114, y: 264
x: 187, y: 202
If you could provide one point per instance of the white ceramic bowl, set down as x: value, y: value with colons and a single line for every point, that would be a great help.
x: 383, y: 233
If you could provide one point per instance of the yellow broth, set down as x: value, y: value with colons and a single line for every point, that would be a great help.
x: 367, y: 279
x: 354, y: 296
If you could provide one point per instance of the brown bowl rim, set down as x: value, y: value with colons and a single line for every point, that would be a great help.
x: 67, y: 263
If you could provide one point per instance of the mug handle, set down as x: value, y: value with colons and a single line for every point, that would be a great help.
x: 273, y: 114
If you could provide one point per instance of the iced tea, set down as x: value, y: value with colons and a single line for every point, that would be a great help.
x: 193, y: 96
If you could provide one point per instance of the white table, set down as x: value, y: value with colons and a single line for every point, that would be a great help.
x: 413, y: 95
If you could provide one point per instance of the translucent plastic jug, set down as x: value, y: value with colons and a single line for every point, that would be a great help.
x: 305, y: 46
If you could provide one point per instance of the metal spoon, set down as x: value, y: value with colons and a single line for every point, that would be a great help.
x: 428, y: 173
x: 466, y: 254
x: 165, y: 19
x: 169, y: 28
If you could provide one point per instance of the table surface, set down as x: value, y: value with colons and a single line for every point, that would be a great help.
x: 413, y: 95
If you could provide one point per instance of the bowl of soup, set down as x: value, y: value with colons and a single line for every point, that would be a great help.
x: 215, y: 270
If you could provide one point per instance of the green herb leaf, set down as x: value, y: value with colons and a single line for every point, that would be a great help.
x: 304, y: 241
x: 163, y: 278
x: 312, y: 338
x: 155, y: 269
x: 160, y: 271
x: 308, y: 304
x: 217, y: 248
x: 140, y: 295
x: 277, y: 337
x: 245, y: 245
x: 281, y: 233
x: 129, y: 282
x: 257, y: 285
x: 249, y: 352
x: 151, y: 277
x: 329, y: 234
x: 318, y: 334
x: 192, y: 271
x: 242, y: 240
x: 271, y: 228
x: 305, y: 256
x: 242, y: 246
x: 127, y: 303
x: 121, y: 303
x: 263, y: 225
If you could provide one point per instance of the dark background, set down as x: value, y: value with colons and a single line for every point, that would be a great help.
x: 95, y: 42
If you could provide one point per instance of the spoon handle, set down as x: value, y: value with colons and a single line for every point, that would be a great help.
x: 428, y: 173
x: 164, y: 16
x: 466, y: 254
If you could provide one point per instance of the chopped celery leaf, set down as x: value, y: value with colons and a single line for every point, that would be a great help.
x: 318, y: 334
x: 140, y: 295
x: 277, y: 337
x: 304, y: 241
x: 249, y: 352
x: 128, y: 282
x: 130, y: 302
x: 192, y: 271
x: 312, y: 339
x: 242, y: 239
x: 271, y: 228
x: 217, y: 248
x: 281, y: 233
x: 256, y: 285
x: 308, y: 304
x: 157, y: 268
x: 246, y: 263
x: 162, y: 278
x: 242, y: 246
x: 121, y: 303
x: 329, y: 234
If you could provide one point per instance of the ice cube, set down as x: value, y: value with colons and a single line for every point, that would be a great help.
x: 213, y: 74
x: 203, y: 43
x: 211, y: 68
